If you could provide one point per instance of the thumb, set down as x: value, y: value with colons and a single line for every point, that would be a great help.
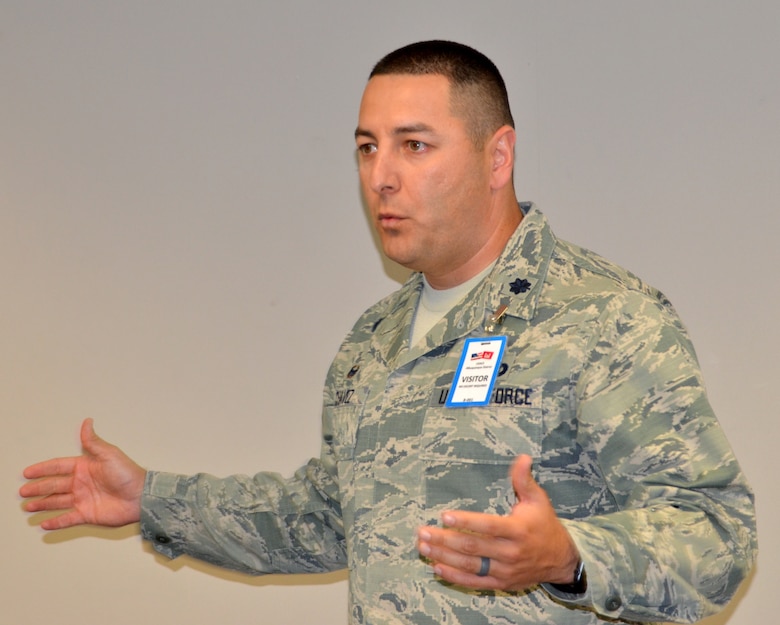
x: 90, y: 441
x: 524, y: 484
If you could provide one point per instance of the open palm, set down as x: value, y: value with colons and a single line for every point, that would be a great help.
x: 103, y: 486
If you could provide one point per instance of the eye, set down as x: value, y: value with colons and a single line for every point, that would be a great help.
x: 366, y: 149
x: 416, y: 146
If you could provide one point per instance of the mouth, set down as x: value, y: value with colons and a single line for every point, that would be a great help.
x: 388, y: 220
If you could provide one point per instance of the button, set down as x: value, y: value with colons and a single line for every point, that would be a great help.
x: 162, y: 539
x: 613, y: 603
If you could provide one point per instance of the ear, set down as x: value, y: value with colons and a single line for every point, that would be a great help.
x: 501, y: 149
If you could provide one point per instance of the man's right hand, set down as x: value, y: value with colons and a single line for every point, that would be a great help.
x: 103, y: 486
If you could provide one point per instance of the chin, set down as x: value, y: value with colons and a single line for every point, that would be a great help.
x: 402, y: 260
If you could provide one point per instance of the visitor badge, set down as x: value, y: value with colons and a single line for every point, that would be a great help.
x: 476, y: 373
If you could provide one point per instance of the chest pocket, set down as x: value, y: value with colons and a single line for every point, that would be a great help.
x: 467, y: 454
x: 341, y: 420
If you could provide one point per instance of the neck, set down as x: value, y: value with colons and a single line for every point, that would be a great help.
x: 485, y: 256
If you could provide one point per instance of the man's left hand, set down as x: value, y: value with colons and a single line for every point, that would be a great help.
x: 525, y: 548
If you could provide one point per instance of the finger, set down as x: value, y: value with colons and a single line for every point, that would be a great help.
x: 441, y: 540
x: 465, y: 578
x: 47, y: 486
x: 465, y: 558
x: 55, y: 466
x: 526, y: 488
x: 479, y: 523
x: 68, y: 519
x: 90, y: 441
x: 53, y: 502
x: 458, y: 550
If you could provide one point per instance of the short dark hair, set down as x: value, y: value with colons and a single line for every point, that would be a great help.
x: 478, y: 91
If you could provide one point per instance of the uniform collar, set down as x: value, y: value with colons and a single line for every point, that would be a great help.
x: 516, y: 281
x: 518, y: 277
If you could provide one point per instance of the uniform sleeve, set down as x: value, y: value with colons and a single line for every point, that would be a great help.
x: 684, y: 534
x: 258, y: 525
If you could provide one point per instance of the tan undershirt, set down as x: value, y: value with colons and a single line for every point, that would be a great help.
x: 435, y: 303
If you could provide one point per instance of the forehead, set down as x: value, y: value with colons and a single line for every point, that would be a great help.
x: 402, y: 99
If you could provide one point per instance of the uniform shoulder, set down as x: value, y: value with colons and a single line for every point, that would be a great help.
x: 571, y: 263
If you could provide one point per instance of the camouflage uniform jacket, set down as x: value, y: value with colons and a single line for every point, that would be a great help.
x: 599, y: 383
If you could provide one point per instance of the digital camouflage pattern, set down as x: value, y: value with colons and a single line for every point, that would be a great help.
x: 599, y: 384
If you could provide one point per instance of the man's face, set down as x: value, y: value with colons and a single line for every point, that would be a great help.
x: 426, y: 184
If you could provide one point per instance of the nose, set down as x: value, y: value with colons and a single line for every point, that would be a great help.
x: 382, y: 172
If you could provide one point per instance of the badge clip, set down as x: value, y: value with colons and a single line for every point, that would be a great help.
x: 496, y: 319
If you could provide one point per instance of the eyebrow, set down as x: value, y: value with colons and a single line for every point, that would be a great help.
x: 400, y: 130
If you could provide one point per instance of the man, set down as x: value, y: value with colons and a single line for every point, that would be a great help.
x: 519, y: 434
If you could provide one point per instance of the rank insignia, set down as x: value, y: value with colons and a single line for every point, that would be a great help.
x: 520, y: 285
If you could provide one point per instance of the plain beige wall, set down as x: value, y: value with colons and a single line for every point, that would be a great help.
x: 183, y: 246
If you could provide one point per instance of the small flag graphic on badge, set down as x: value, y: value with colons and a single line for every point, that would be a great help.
x: 482, y: 355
